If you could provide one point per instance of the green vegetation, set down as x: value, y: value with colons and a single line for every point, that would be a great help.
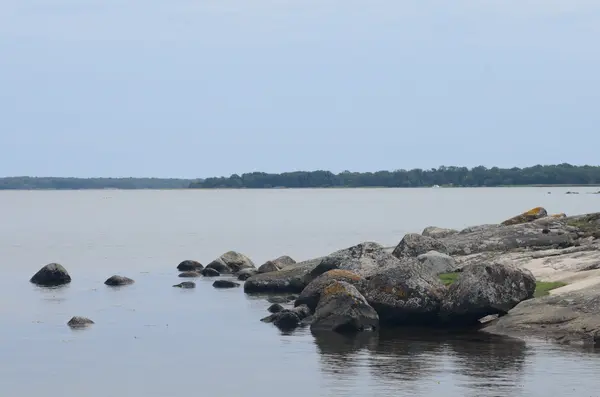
x: 545, y: 175
x: 30, y: 183
x: 542, y: 288
x: 589, y: 225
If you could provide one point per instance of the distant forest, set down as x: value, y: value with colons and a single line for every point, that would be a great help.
x: 32, y: 183
x: 562, y: 174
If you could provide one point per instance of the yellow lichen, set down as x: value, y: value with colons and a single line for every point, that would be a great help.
x: 339, y: 273
x: 561, y: 215
x: 534, y: 211
x: 334, y: 288
x: 396, y: 291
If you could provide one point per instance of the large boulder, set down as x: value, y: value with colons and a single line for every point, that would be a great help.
x: 117, y: 281
x: 231, y: 262
x: 312, y: 293
x: 413, y: 245
x: 290, y: 279
x: 343, y: 309
x: 404, y: 295
x: 79, y: 322
x: 438, y: 232
x: 485, y: 289
x: 276, y: 264
x: 189, y: 266
x: 435, y: 263
x: 528, y: 216
x: 51, y: 275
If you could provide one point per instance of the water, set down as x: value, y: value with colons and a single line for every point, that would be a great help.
x: 154, y: 340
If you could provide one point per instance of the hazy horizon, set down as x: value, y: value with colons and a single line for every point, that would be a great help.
x: 189, y: 90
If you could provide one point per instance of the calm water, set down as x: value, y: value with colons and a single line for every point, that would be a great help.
x: 153, y: 340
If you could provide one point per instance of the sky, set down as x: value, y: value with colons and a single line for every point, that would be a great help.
x: 191, y: 89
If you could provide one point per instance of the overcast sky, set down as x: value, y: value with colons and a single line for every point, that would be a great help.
x: 188, y: 88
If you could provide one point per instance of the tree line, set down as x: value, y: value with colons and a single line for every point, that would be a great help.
x: 52, y: 183
x: 561, y: 174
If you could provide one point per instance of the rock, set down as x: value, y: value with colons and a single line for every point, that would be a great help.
x: 286, y: 320
x: 276, y: 264
x: 413, y: 245
x: 435, y: 263
x: 529, y: 216
x: 312, y: 293
x: 210, y: 272
x: 403, y: 295
x: 225, y: 284
x: 245, y: 274
x: 189, y: 266
x: 570, y: 318
x: 569, y: 192
x: 117, y: 281
x: 558, y: 216
x: 51, y: 275
x: 437, y: 232
x: 189, y: 274
x: 281, y: 299
x: 270, y: 318
x: 231, y: 262
x: 186, y: 284
x: 79, y: 322
x: 364, y: 259
x: 486, y: 289
x: 343, y: 309
x: 301, y: 311
x: 275, y: 308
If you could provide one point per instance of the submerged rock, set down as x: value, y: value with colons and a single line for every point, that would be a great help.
x: 404, y: 295
x: 286, y: 320
x: 189, y: 266
x: 79, y: 322
x: 529, y: 216
x: 312, y: 293
x: 245, y: 274
x: 486, y: 289
x: 186, y: 284
x: 413, y: 245
x: 117, y: 281
x: 189, y: 274
x: 209, y: 272
x: 225, y: 284
x: 343, y: 309
x: 276, y: 264
x: 51, y: 275
x: 231, y: 262
x: 438, y: 232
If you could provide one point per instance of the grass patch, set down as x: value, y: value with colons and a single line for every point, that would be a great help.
x: 542, y: 288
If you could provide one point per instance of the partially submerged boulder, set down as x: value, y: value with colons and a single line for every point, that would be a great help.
x: 312, y: 293
x: 186, y: 285
x: 288, y: 319
x: 210, y: 272
x: 486, y: 289
x: 117, y: 281
x: 276, y: 264
x: 528, y: 216
x: 435, y: 263
x: 190, y: 274
x: 51, y: 275
x: 343, y: 309
x: 79, y: 322
x: 290, y: 279
x: 225, y: 284
x: 275, y: 308
x: 438, y: 232
x: 189, y: 266
x: 245, y: 274
x: 231, y: 262
x: 404, y: 295
x: 413, y: 245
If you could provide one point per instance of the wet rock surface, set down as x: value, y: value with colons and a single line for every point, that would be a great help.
x: 51, y: 275
x: 118, y: 281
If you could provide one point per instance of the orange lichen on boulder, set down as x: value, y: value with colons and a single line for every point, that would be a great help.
x: 343, y: 274
x: 528, y: 216
x: 561, y: 215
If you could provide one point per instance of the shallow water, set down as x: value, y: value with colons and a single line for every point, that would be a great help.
x: 154, y: 340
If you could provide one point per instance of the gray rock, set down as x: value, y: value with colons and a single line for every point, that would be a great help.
x: 436, y: 263
x: 231, y: 262
x: 290, y: 279
x: 570, y: 318
x: 286, y: 320
x: 210, y: 272
x: 186, y: 284
x: 276, y: 264
x: 312, y: 293
x: 189, y: 274
x: 438, y: 232
x: 245, y: 274
x: 403, y: 295
x: 343, y: 309
x: 51, y: 275
x: 225, y: 284
x: 118, y: 281
x: 413, y: 245
x: 301, y: 311
x: 189, y: 266
x: 79, y: 322
x: 529, y: 216
x: 275, y: 308
x: 486, y: 289
x: 281, y: 299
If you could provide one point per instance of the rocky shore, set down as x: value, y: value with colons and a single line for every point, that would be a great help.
x: 488, y: 277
